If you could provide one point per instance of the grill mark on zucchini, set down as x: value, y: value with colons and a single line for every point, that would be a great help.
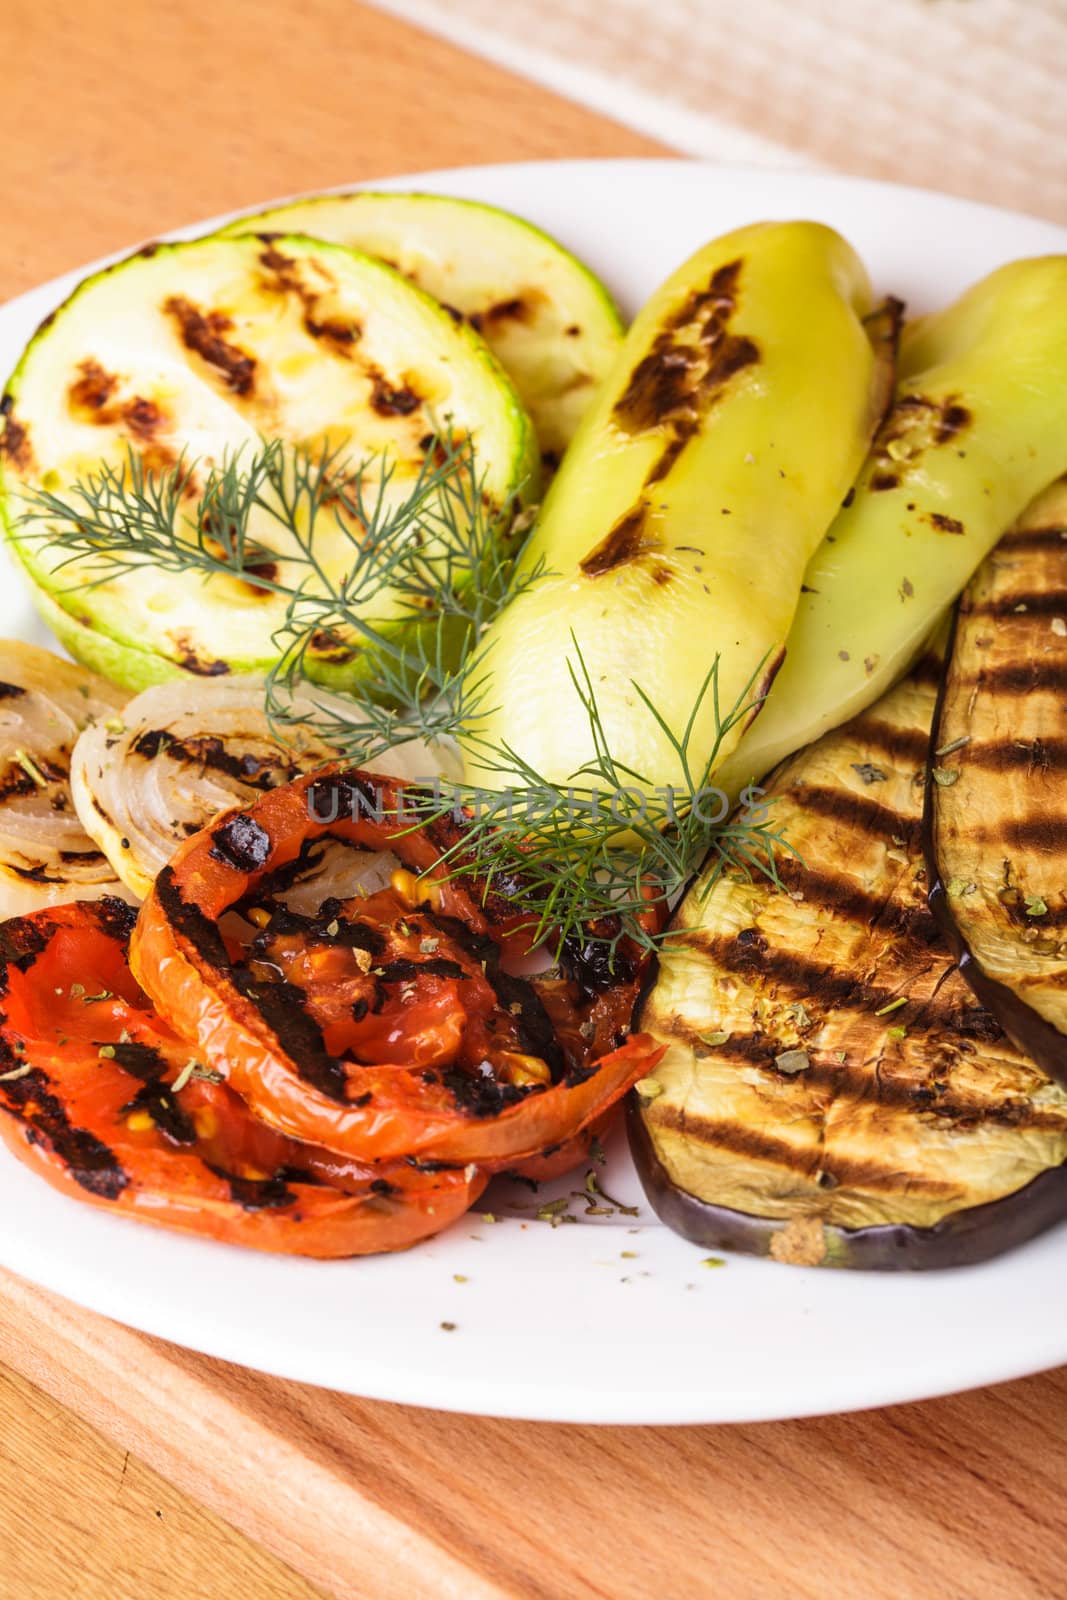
x: 202, y: 333
x: 14, y: 438
x: 89, y: 398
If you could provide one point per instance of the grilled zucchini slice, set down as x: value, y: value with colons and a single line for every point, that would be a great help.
x: 205, y: 348
x: 832, y: 1092
x: 549, y: 321
x: 997, y: 796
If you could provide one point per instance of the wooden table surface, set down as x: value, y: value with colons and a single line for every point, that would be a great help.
x: 121, y: 121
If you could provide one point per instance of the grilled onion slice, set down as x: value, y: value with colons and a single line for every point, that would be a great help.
x: 177, y: 759
x: 46, y: 857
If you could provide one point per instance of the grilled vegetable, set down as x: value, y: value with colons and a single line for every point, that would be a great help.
x: 146, y: 781
x: 550, y: 323
x: 101, y: 1098
x: 388, y: 1025
x: 185, y: 358
x: 45, y: 855
x: 997, y: 795
x: 978, y: 428
x: 701, y: 480
x: 832, y: 1094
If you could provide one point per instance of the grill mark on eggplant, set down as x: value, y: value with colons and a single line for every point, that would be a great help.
x: 31, y: 1101
x: 850, y: 902
x: 1016, y: 678
x: 863, y: 1075
x: 1046, y: 754
x: 1031, y: 541
x: 1023, y: 605
x: 926, y: 673
x: 825, y: 986
x: 744, y: 1140
x: 1043, y: 833
x: 856, y: 811
x: 905, y: 748
x: 10, y: 691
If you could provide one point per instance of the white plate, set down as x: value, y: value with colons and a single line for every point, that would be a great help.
x: 612, y: 1320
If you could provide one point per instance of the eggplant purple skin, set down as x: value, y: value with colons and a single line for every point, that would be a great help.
x: 1026, y: 1028
x: 962, y: 1239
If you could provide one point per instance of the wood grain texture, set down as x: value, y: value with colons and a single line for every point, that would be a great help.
x: 960, y: 1498
x: 123, y: 121
x: 115, y: 1528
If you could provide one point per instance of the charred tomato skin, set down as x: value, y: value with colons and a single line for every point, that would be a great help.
x: 97, y: 1097
x: 300, y: 1066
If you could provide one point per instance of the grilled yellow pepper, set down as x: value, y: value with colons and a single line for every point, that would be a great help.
x: 978, y: 428
x: 694, y: 493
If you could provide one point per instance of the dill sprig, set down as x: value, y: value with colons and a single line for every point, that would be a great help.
x: 424, y: 567
x: 605, y: 855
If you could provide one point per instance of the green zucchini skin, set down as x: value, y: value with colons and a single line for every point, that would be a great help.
x: 963, y: 1239
x: 547, y: 318
x: 996, y: 831
x: 205, y: 347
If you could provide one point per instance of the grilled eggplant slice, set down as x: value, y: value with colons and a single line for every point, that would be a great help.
x: 977, y: 429
x: 550, y: 323
x: 678, y: 528
x: 192, y: 352
x: 832, y: 1093
x: 997, y: 795
x: 46, y: 857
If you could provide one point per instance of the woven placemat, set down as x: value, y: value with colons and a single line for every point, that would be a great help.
x: 965, y: 96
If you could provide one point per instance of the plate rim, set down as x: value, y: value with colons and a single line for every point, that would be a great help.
x: 103, y: 1293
